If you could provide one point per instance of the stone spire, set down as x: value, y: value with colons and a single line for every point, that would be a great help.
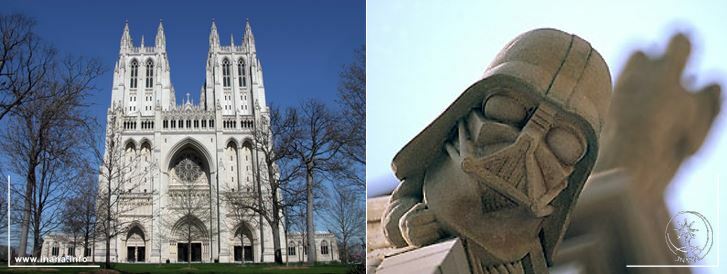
x: 201, y: 97
x: 126, y: 42
x: 161, y: 40
x: 142, y: 41
x: 248, y: 40
x: 232, y: 40
x: 214, y: 37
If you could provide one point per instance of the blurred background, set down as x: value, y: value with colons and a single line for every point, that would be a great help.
x: 422, y: 55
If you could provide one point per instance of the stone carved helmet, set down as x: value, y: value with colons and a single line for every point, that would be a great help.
x: 545, y: 64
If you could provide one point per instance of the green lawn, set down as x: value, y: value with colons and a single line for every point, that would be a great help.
x: 196, y: 268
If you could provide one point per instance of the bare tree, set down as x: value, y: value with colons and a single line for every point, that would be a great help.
x: 79, y: 217
x: 352, y: 102
x: 87, y: 210
x: 316, y: 150
x: 41, y: 143
x: 3, y: 203
x: 71, y: 223
x: 121, y: 174
x: 296, y: 223
x: 286, y: 232
x: 345, y: 209
x: 273, y: 138
x: 24, y: 62
x: 352, y: 99
x: 345, y: 216
x: 162, y: 237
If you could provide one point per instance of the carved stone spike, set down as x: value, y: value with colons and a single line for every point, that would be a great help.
x: 502, y: 166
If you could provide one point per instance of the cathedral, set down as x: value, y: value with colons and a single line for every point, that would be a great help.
x: 207, y: 145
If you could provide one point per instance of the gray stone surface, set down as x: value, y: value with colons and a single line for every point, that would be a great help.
x: 502, y: 166
x: 445, y: 257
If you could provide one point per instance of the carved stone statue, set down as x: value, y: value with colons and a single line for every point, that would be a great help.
x: 655, y: 121
x: 502, y: 166
x: 654, y: 124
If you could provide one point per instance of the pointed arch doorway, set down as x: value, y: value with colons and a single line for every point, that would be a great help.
x: 136, y: 244
x: 243, y: 244
x: 192, y: 241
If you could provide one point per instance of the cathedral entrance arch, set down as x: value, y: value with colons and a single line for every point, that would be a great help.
x: 243, y: 243
x: 190, y: 200
x: 136, y: 244
x: 192, y: 239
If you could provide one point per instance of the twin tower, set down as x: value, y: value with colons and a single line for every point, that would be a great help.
x: 233, y: 83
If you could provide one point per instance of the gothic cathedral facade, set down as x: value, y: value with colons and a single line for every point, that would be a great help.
x: 207, y: 145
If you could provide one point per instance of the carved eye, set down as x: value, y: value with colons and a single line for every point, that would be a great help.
x: 504, y: 109
x: 566, y: 144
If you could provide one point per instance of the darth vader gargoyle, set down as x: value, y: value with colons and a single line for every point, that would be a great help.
x: 501, y: 168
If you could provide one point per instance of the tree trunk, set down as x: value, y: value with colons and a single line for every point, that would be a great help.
x: 189, y: 245
x: 25, y: 224
x: 36, y: 219
x: 346, y: 249
x: 37, y: 241
x: 107, y: 265
x: 256, y: 167
x: 276, y: 226
x: 276, y: 242
x: 287, y: 256
x: 260, y: 202
x: 242, y: 247
x: 310, y: 227
x: 93, y: 248
x: 85, y: 242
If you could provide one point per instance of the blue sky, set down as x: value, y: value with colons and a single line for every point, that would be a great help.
x: 423, y: 54
x: 301, y: 44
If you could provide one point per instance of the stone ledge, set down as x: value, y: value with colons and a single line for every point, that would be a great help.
x: 445, y: 257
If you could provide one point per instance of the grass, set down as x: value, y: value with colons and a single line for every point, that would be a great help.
x: 196, y: 268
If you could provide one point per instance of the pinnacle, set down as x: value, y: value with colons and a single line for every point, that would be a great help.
x: 214, y: 25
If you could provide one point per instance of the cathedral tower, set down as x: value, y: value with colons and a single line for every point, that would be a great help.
x: 141, y: 76
x: 233, y: 75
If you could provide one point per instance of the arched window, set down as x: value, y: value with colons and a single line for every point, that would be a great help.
x: 324, y: 247
x: 149, y: 73
x: 130, y: 146
x: 145, y: 147
x: 226, y: 72
x: 241, y: 72
x: 291, y: 248
x: 134, y: 73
